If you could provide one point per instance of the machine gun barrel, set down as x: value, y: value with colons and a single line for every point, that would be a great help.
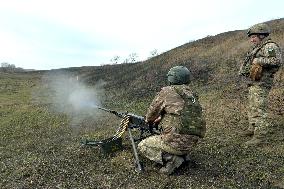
x: 118, y: 114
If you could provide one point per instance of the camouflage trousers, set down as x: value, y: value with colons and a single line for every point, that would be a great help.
x: 153, y: 148
x: 257, y: 110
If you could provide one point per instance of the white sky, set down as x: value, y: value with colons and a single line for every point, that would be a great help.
x: 50, y: 34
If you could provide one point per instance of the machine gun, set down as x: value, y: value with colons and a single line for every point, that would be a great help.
x: 129, y: 121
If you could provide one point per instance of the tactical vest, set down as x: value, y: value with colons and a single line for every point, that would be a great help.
x: 251, y: 55
x: 191, y: 116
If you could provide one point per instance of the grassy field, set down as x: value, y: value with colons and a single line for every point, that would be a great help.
x: 41, y: 132
x: 40, y: 147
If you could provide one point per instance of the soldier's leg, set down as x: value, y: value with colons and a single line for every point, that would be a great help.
x: 252, y: 111
x: 151, y: 148
x: 258, y: 112
x: 156, y: 150
x: 173, y: 162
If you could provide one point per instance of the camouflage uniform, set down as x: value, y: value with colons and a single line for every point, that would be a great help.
x: 179, y: 135
x: 268, y: 55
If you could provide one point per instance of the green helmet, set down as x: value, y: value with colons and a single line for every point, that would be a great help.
x: 259, y: 29
x: 178, y: 75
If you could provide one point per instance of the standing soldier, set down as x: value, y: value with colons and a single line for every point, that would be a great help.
x: 179, y: 113
x: 260, y: 65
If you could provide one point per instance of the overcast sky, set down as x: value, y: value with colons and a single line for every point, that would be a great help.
x: 50, y: 34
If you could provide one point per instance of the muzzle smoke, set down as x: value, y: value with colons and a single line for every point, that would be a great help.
x: 69, y: 95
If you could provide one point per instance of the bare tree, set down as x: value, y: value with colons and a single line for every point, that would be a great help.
x: 6, y: 67
x: 115, y: 59
x: 154, y: 53
x: 126, y: 61
x: 133, y: 57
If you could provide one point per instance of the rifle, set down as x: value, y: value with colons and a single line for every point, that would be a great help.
x: 129, y: 121
x: 245, y: 67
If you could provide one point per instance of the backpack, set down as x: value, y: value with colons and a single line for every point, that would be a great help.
x: 191, y: 116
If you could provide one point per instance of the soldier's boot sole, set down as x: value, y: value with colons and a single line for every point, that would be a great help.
x: 174, y: 163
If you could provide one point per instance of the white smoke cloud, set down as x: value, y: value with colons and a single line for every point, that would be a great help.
x: 67, y: 94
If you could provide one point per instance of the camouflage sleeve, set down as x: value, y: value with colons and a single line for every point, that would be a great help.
x: 156, y: 107
x: 271, y: 55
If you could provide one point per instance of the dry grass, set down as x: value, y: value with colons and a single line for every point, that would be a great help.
x: 40, y: 148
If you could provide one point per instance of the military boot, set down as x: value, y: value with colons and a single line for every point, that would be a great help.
x: 247, y: 133
x: 187, y: 157
x: 167, y: 157
x: 172, y: 164
x: 255, y: 141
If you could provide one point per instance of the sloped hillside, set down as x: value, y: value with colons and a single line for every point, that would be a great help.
x: 214, y: 58
x: 40, y: 147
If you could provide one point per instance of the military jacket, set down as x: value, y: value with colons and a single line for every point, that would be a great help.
x: 268, y: 55
x: 181, y: 115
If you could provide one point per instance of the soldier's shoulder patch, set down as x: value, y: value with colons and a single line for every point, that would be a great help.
x: 271, y: 51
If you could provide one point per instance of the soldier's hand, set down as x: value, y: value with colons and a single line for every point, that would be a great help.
x: 157, y: 120
x: 256, y: 62
x: 255, y: 71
